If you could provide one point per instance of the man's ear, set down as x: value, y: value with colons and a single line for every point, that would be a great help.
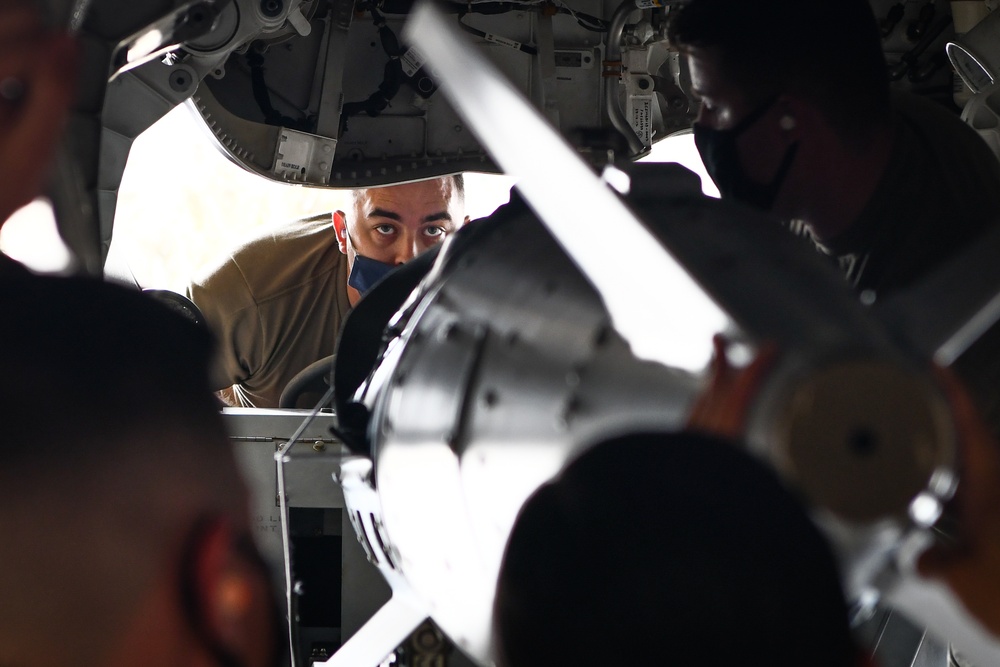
x: 793, y: 114
x: 340, y: 225
x: 232, y: 597
x: 466, y: 221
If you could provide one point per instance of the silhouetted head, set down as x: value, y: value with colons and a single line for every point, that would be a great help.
x: 828, y: 53
x: 669, y: 549
x: 127, y: 538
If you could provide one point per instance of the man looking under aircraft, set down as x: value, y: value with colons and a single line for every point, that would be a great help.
x: 277, y: 303
x: 796, y: 117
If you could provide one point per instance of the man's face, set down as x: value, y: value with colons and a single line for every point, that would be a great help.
x: 722, y: 103
x: 395, y: 224
x: 762, y: 142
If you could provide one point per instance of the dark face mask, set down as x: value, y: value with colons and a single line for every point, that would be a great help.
x: 721, y: 156
x: 366, y: 272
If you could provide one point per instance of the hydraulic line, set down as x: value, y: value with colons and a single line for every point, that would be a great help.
x: 612, y: 71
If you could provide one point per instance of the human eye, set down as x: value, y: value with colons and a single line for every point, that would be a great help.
x: 435, y: 231
x: 708, y: 112
x: 385, y: 229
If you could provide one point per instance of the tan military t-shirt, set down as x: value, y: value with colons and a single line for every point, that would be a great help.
x: 275, y: 305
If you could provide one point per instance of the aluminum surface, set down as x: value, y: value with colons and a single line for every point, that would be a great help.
x: 506, y: 371
x: 575, y: 205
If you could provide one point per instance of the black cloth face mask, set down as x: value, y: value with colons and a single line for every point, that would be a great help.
x: 721, y: 156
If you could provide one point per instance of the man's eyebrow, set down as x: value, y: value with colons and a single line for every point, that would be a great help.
x: 383, y: 213
x: 434, y: 217
x: 392, y: 215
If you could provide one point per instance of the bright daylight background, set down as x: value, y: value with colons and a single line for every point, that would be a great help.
x: 183, y: 205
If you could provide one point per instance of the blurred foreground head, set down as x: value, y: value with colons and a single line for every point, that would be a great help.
x: 126, y: 539
x: 38, y: 65
x: 670, y: 549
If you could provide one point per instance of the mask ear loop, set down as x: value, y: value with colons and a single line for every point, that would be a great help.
x: 786, y: 123
x: 785, y: 166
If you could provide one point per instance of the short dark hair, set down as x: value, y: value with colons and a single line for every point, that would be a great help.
x: 112, y: 444
x: 459, y: 181
x: 828, y: 52
x: 111, y: 359
x: 673, y: 549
